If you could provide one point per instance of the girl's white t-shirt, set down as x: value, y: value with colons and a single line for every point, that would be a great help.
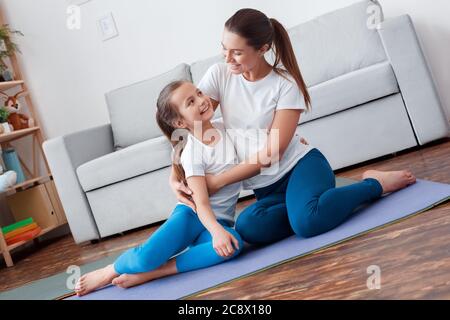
x: 248, y: 109
x: 199, y: 159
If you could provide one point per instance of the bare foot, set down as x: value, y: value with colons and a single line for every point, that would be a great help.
x: 391, y: 180
x: 95, y: 279
x: 130, y: 280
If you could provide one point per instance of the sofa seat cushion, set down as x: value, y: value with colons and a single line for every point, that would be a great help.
x: 126, y: 163
x: 132, y: 108
x: 350, y: 90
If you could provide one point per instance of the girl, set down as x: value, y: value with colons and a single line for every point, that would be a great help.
x: 299, y: 195
x: 206, y: 232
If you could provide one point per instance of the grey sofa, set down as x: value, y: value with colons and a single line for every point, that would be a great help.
x: 372, y: 95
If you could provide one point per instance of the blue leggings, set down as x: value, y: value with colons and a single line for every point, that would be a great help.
x: 182, y: 230
x: 305, y: 202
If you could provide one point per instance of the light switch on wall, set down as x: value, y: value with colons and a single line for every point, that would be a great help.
x: 107, y: 27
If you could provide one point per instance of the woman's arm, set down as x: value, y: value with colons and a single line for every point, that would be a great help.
x: 222, y: 239
x: 280, y: 135
x: 214, y: 103
x: 182, y: 192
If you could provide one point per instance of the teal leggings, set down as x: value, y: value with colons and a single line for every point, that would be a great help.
x: 183, y: 230
x: 304, y: 202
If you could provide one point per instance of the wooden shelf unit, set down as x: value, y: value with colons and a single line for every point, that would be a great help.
x: 28, y: 184
x: 5, y: 85
x: 7, y: 137
x: 38, y: 189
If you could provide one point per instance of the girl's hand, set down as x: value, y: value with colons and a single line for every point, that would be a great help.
x: 212, y: 181
x: 223, y: 242
x: 182, y: 192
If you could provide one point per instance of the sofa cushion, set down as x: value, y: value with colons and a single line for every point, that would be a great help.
x: 126, y: 163
x: 350, y: 90
x: 132, y: 108
x: 336, y: 43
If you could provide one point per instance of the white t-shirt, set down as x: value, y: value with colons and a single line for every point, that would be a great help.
x: 247, y: 106
x: 199, y: 159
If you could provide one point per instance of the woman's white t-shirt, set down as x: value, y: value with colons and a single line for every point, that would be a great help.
x: 248, y: 109
x: 199, y: 159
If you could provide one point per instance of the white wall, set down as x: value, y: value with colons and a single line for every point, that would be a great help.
x: 69, y: 71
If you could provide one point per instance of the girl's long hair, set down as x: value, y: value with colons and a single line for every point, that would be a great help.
x: 258, y: 30
x: 166, y: 115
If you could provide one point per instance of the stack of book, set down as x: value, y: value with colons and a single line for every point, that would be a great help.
x: 21, y: 231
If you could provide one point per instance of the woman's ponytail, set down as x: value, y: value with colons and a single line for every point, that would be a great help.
x: 284, y: 53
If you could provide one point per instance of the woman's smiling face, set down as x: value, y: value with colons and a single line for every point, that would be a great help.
x: 239, y: 56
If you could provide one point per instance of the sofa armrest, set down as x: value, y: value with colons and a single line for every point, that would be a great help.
x: 414, y: 79
x: 64, y: 155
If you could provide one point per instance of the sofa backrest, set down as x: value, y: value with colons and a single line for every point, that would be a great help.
x: 199, y: 68
x: 326, y: 47
x: 132, y: 108
x: 337, y: 43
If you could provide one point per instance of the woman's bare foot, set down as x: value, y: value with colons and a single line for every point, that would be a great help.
x: 391, y: 180
x: 95, y: 279
x: 130, y: 280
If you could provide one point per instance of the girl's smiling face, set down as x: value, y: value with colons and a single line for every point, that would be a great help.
x: 239, y: 56
x: 192, y: 105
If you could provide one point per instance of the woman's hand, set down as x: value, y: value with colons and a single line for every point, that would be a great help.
x: 213, y: 183
x: 303, y: 140
x: 182, y: 192
x: 223, y: 242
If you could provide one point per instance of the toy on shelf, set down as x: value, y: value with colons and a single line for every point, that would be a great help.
x: 17, y: 119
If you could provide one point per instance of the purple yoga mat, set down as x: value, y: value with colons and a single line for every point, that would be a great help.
x: 415, y: 198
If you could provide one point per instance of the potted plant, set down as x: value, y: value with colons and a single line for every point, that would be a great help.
x: 4, y: 125
x: 7, y: 49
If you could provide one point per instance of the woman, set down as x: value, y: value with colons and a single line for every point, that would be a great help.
x: 296, y: 191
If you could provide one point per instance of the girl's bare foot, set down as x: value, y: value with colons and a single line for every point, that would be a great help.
x: 391, y: 180
x: 130, y: 280
x: 95, y: 279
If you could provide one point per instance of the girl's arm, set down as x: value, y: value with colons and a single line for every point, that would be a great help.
x: 280, y: 135
x: 222, y: 239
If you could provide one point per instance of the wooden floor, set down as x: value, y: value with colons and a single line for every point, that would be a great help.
x: 413, y: 255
